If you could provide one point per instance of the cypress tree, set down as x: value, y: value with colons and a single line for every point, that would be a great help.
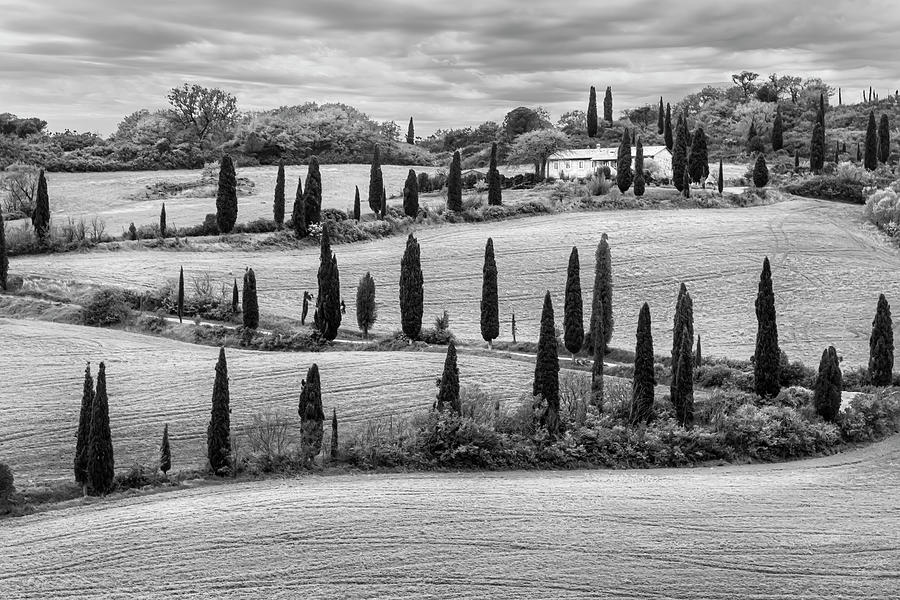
x: 312, y: 417
x: 384, y: 208
x: 760, y: 171
x: 871, y: 156
x: 411, y: 195
x: 777, y: 131
x: 686, y: 187
x: 278, y: 206
x: 820, y: 115
x: 356, y: 208
x: 858, y: 153
x: 679, y: 154
x: 639, y: 183
x: 454, y: 184
x: 334, y: 432
x: 817, y: 149
x: 411, y: 133
x: 82, y: 438
x: 661, y: 118
x: 683, y: 321
x: 592, y: 113
x: 181, y: 295
x: 250, y: 305
x: 599, y: 350
x: 624, y: 176
x: 366, y: 308
x: 667, y: 128
x: 162, y: 221
x: 698, y: 354
x: 235, y: 298
x: 101, y: 469
x: 602, y: 295
x: 40, y: 218
x: 327, y: 317
x: 4, y: 259
x: 643, y: 382
x: 766, y: 368
x: 411, y: 293
x: 226, y: 196
x: 312, y: 199
x: 490, y: 303
x: 376, y: 182
x: 796, y: 159
x: 495, y: 193
x: 218, y: 433
x: 721, y: 182
x: 546, y: 369
x: 448, y: 387
x: 698, y: 163
x: 607, y: 105
x: 298, y: 214
x: 827, y: 390
x: 165, y: 451
x: 881, y: 345
x: 684, y: 382
x: 573, y: 315
x: 884, y: 140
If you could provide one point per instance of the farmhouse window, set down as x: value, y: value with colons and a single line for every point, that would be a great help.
x: 580, y: 165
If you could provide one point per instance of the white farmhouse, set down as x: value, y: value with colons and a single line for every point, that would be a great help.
x: 584, y: 162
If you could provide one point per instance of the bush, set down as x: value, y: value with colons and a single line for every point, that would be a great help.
x: 106, y: 307
x: 883, y: 209
x: 870, y: 417
x: 137, y: 477
x: 828, y: 187
x: 440, y: 334
x: 270, y: 440
x: 776, y: 433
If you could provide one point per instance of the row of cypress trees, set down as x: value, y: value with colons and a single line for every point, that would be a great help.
x: 94, y: 463
x: 592, y: 120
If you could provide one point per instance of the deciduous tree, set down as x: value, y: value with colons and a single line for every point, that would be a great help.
x: 203, y: 111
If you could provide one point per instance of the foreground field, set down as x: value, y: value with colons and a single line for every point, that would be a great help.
x: 823, y: 529
x: 828, y: 269
x: 152, y: 381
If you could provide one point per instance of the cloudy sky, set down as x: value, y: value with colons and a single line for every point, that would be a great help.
x: 85, y: 64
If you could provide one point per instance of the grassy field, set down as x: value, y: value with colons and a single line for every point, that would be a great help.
x: 823, y: 529
x: 828, y: 269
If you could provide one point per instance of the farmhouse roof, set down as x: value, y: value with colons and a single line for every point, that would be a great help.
x: 603, y: 153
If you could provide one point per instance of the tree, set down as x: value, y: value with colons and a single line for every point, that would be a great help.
x: 624, y: 175
x: 599, y: 350
x: 250, y: 304
x: 218, y: 442
x: 684, y: 382
x: 546, y: 369
x: 721, y: 181
x: 376, y: 182
x: 366, y: 308
x: 165, y: 452
x: 411, y: 293
x: 410, y: 133
x: 820, y: 115
x: 298, y: 214
x: 384, y: 205
x: 639, y: 184
x: 760, y: 171
x: 881, y: 345
x: 641, y: 117
x: 226, y: 196
x: 592, y: 113
x: 667, y: 128
x: 698, y: 356
x: 744, y: 80
x: 884, y: 140
x: 698, y: 163
x: 766, y: 362
x: 686, y: 184
x: 661, y: 118
x: 490, y: 303
x: 4, y: 259
x: 356, y: 208
x: 101, y: 470
x: 454, y: 184
x: 83, y: 436
x: 827, y: 390
x: 751, y: 135
x: 312, y: 417
x: 536, y: 147
x: 235, y: 297
x: 607, y: 105
x: 573, y: 314
x: 448, y: 386
x: 683, y: 322
x: 327, y: 317
x: 643, y: 382
x: 522, y: 120
x: 278, y: 208
x: 871, y: 156
x: 679, y: 154
x: 817, y: 149
x: 334, y: 433
x: 777, y: 131
x: 162, y: 221
x: 796, y: 159
x: 603, y: 290
x: 181, y: 294
x: 203, y: 111
x: 411, y: 195
x: 312, y: 200
x: 40, y: 218
x: 495, y: 193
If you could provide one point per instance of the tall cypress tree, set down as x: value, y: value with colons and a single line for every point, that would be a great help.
x: 312, y: 416
x: 766, y: 368
x: 411, y: 293
x: 226, y: 196
x: 218, y: 433
x: 679, y: 154
x: 573, y: 315
x: 454, y: 184
x: 278, y: 206
x: 686, y: 184
x: 411, y: 195
x: 827, y: 390
x: 698, y: 354
x: 411, y: 133
x: 298, y: 214
x: 495, y: 193
x: 101, y: 470
x: 721, y: 181
x: 490, y: 303
x: 376, y: 182
x: 356, y: 208
x: 4, y: 259
x: 327, y: 317
x: 313, y: 195
x: 881, y: 345
x: 366, y: 308
x: 599, y: 350
x: 250, y: 305
x: 384, y: 207
x: 820, y: 115
x: 82, y: 438
x: 40, y: 218
x: 643, y: 382
x: 817, y: 149
x: 639, y: 184
x: 624, y: 175
x: 884, y: 140
x: 667, y: 128
x: 684, y: 382
x: 607, y: 105
x: 546, y: 369
x: 165, y: 451
x: 601, y: 303
x: 760, y: 171
x: 871, y: 157
x: 181, y: 295
x: 683, y: 321
x: 235, y: 297
x: 777, y: 131
x: 334, y: 431
x: 661, y: 118
x: 448, y: 386
x: 592, y: 113
x: 698, y: 163
x: 162, y: 221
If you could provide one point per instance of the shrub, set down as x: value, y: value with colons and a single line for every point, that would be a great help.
x: 105, y: 307
x: 828, y: 187
x: 137, y: 477
x: 270, y: 438
x: 775, y: 433
x: 870, y: 417
x: 883, y: 209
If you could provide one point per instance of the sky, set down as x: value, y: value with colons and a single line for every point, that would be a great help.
x: 84, y: 65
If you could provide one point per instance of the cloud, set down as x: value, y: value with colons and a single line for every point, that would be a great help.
x: 86, y: 63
